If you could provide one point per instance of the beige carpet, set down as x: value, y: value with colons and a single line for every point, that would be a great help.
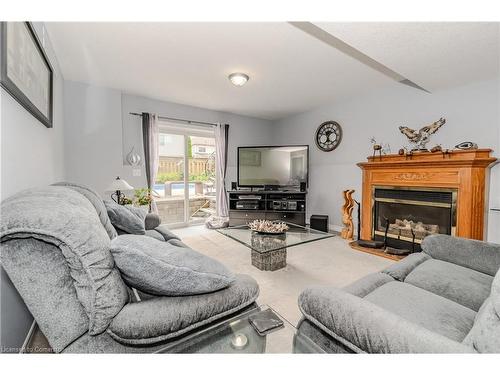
x: 326, y: 262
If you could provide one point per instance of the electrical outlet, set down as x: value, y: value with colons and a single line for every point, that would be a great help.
x: 136, y: 172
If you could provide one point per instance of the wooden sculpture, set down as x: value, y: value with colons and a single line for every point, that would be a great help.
x: 348, y: 230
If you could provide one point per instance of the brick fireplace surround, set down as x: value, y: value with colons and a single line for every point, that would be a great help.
x: 466, y: 171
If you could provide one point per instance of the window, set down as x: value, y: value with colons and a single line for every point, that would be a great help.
x: 163, y: 139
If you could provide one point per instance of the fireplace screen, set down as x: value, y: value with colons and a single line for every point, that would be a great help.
x: 409, y: 215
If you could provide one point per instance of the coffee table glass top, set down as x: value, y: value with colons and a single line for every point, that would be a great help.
x: 263, y: 243
x: 237, y: 335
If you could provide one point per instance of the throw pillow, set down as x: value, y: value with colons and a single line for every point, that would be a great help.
x: 129, y: 219
x: 164, y: 269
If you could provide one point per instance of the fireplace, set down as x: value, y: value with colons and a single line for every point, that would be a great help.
x: 423, y: 193
x: 409, y: 214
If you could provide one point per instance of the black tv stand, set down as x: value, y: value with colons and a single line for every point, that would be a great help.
x: 289, y: 206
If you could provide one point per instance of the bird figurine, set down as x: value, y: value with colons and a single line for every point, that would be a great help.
x: 420, y: 138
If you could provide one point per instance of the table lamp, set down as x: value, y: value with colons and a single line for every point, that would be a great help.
x: 117, y: 186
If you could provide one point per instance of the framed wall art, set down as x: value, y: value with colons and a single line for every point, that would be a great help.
x: 25, y: 70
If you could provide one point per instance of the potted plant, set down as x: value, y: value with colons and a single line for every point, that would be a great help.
x: 143, y: 198
x: 126, y: 201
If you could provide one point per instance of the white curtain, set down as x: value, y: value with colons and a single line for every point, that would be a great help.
x: 221, y: 137
x: 150, y: 139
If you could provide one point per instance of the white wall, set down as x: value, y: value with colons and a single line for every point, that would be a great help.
x: 93, y: 137
x: 494, y: 216
x: 100, y: 132
x: 31, y: 155
x: 472, y: 114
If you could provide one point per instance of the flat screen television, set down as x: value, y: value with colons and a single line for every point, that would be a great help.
x: 284, y: 166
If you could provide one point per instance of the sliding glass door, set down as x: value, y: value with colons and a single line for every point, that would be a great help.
x: 169, y: 182
x: 185, y: 181
x: 201, y: 172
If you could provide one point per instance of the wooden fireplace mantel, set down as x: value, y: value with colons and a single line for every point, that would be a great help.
x: 464, y: 170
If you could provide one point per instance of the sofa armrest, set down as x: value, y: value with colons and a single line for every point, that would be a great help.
x: 152, y: 221
x: 477, y: 255
x: 365, y: 327
x: 404, y: 267
x: 158, y: 319
x: 367, y: 284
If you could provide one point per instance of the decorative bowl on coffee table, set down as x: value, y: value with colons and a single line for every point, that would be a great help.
x: 268, y: 227
x: 268, y: 251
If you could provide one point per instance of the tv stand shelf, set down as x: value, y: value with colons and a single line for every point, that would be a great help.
x: 263, y: 203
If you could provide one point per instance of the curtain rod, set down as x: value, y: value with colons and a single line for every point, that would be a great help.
x: 179, y: 119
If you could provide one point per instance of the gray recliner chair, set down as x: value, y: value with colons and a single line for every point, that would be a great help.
x: 53, y: 279
x: 445, y: 299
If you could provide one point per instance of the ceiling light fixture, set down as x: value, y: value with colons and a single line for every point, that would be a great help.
x: 238, y: 79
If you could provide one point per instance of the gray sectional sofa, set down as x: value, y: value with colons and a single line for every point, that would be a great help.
x: 445, y: 299
x: 55, y: 247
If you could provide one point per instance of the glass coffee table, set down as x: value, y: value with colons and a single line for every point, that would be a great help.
x: 269, y: 250
x: 237, y: 335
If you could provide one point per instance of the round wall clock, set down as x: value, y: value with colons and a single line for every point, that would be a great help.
x: 328, y: 136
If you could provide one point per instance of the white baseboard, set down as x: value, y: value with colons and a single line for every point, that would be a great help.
x: 335, y: 228
x: 338, y: 228
x: 28, y: 337
x: 184, y: 225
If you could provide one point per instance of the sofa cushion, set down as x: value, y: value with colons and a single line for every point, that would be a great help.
x: 462, y: 285
x: 129, y: 219
x: 165, y: 269
x: 426, y: 309
x: 96, y: 200
x: 66, y: 219
x: 485, y: 334
x: 159, y: 319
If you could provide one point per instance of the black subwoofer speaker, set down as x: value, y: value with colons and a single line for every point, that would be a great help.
x: 234, y: 185
x: 319, y: 222
x: 303, y: 186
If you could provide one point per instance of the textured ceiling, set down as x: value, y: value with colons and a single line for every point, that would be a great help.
x: 435, y: 55
x: 290, y: 71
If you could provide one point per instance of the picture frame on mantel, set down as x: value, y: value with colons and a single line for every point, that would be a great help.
x: 25, y: 70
